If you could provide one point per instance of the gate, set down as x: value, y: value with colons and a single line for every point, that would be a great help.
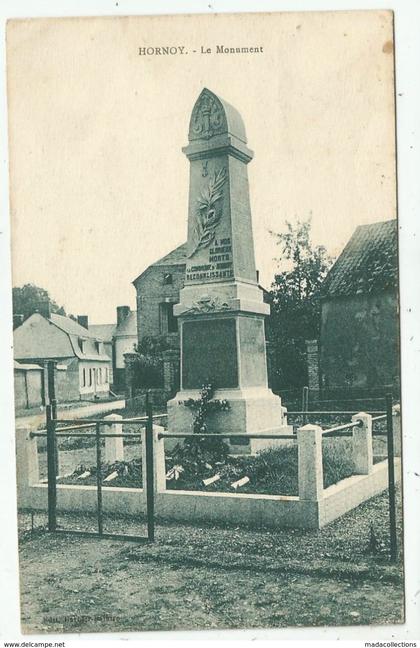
x: 57, y: 428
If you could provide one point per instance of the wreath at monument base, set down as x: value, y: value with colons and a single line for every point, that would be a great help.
x: 195, y: 454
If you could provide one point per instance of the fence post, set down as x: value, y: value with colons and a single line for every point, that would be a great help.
x: 52, y: 399
x: 148, y: 482
x: 310, y: 472
x: 362, y: 449
x: 99, y: 477
x: 114, y: 446
x: 396, y: 426
x: 27, y: 467
x: 52, y: 470
x: 391, y: 480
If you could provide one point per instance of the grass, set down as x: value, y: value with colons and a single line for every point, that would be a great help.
x: 272, y: 471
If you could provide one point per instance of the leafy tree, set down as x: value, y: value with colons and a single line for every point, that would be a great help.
x: 295, y: 303
x: 28, y: 298
x: 152, y: 345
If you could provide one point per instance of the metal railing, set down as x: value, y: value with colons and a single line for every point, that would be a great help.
x: 234, y: 435
x: 71, y: 429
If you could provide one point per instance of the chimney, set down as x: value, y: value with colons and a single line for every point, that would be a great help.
x: 44, y: 308
x: 83, y: 320
x: 17, y: 320
x: 122, y: 313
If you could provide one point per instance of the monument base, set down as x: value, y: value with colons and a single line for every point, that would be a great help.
x: 252, y: 410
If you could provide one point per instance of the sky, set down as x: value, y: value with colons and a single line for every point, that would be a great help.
x: 98, y: 180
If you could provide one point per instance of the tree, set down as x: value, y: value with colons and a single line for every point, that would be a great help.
x: 295, y: 303
x: 29, y: 298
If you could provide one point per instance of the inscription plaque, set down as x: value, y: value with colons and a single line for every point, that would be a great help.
x: 217, y: 266
x: 209, y: 353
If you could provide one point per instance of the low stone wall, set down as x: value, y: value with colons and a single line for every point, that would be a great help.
x: 313, y: 508
x: 275, y: 511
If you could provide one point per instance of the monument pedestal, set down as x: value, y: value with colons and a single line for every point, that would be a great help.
x: 221, y: 311
x: 250, y: 410
x: 223, y: 343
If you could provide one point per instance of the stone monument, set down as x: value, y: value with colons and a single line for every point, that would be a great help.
x: 221, y: 311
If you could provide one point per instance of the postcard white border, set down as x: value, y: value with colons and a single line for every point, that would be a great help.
x: 407, y: 20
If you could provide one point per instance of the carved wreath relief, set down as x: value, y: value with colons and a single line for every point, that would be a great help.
x: 209, y: 304
x: 209, y: 211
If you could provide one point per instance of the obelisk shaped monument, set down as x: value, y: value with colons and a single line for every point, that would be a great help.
x: 221, y: 311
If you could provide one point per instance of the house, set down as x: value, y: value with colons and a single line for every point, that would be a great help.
x: 83, y: 367
x: 157, y: 290
x: 359, y: 339
x: 118, y: 339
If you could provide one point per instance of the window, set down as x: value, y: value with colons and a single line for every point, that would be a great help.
x: 172, y: 320
x: 168, y: 321
x: 90, y: 378
x: 83, y: 377
x: 98, y: 376
x: 107, y: 375
x: 167, y: 279
x: 81, y: 342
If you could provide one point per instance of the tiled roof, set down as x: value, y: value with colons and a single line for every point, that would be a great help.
x: 25, y: 366
x: 102, y: 332
x: 70, y: 326
x: 57, y: 337
x: 176, y: 257
x: 106, y: 332
x: 368, y: 263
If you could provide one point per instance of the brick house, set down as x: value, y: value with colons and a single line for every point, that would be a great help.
x: 83, y: 367
x: 359, y: 339
x: 157, y: 290
x: 119, y: 338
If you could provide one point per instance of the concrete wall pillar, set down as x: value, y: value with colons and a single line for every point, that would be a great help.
x: 396, y: 428
x: 159, y: 477
x: 114, y: 446
x: 310, y: 472
x: 171, y: 359
x: 362, y: 444
x: 27, y: 467
x: 283, y: 415
x: 129, y: 363
x: 159, y: 458
x: 312, y: 359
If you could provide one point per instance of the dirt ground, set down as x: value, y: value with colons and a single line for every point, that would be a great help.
x: 196, y: 578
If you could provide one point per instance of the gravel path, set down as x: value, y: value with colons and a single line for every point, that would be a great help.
x: 194, y: 578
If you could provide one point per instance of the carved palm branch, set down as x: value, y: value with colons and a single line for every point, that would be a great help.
x: 205, y: 223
